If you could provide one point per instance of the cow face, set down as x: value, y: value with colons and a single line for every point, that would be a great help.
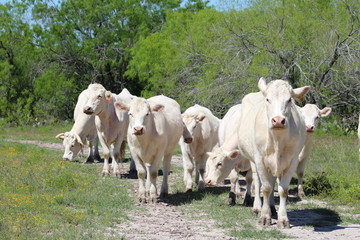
x: 219, y: 165
x: 140, y: 114
x: 193, y: 123
x: 72, y: 143
x: 312, y: 114
x: 97, y: 99
x: 279, y: 101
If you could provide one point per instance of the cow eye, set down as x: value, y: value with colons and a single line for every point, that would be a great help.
x: 130, y: 114
x: 317, y: 118
x: 268, y: 100
x: 99, y: 96
x: 147, y: 114
x: 219, y: 165
x: 289, y: 101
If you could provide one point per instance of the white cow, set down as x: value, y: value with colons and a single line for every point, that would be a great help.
x: 82, y: 130
x: 154, y: 130
x: 225, y: 160
x: 271, y: 134
x: 311, y: 115
x: 111, y: 127
x: 203, y: 127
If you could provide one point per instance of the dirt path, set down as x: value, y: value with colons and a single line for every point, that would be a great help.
x: 164, y: 221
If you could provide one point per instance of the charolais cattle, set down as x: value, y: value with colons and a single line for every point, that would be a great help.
x: 311, y: 115
x: 110, y: 127
x: 272, y: 134
x: 203, y: 127
x: 155, y: 127
x: 82, y: 130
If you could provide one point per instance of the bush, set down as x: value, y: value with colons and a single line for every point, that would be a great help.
x: 318, y: 184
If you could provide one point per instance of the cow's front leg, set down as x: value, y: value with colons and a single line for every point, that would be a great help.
x: 152, y: 171
x: 164, y: 192
x: 141, y: 172
x: 257, y: 200
x: 233, y: 180
x: 201, y: 164
x: 188, y: 170
x: 249, y: 181
x: 117, y: 156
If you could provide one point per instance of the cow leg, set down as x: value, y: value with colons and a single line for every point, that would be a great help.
x: 106, y: 152
x: 267, y: 181
x: 96, y: 149
x: 257, y: 200
x: 118, y: 153
x: 249, y: 181
x: 141, y: 173
x: 283, y: 221
x: 152, y: 173
x: 234, y: 179
x: 90, y: 158
x: 201, y: 165
x: 300, y: 175
x: 272, y: 201
x: 166, y: 170
x: 188, y: 170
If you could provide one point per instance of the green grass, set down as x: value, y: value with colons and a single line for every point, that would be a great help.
x: 44, y: 133
x: 44, y: 198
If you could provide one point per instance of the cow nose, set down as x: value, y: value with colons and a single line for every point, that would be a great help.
x: 309, y: 128
x: 138, y: 130
x: 188, y: 140
x: 278, y: 122
x: 88, y: 110
x: 208, y: 181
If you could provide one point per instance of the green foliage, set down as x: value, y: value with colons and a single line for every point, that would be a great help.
x: 318, y: 185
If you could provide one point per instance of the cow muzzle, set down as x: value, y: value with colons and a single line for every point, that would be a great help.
x: 209, y: 182
x: 278, y: 122
x: 138, y: 131
x: 88, y: 110
x: 310, y: 128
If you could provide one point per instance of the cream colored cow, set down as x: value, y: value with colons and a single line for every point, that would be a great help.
x: 271, y: 134
x: 154, y: 131
x: 82, y: 130
x: 111, y: 128
x: 311, y: 115
x: 225, y: 160
x: 203, y: 127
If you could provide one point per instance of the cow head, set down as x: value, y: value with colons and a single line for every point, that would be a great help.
x: 193, y: 122
x: 140, y: 114
x: 279, y: 97
x: 312, y: 114
x: 72, y: 143
x: 219, y: 165
x: 98, y: 99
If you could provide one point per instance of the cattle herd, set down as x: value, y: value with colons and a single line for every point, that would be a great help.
x: 266, y: 138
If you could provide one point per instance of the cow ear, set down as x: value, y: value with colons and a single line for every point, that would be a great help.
x: 262, y: 84
x: 299, y: 93
x: 202, y: 118
x: 122, y: 106
x: 109, y: 97
x: 60, y: 136
x: 78, y: 139
x: 325, y: 112
x: 233, y: 154
x: 157, y: 108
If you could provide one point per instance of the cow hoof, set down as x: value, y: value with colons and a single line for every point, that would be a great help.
x: 117, y: 174
x: 142, y: 200
x: 232, y: 199
x: 105, y: 173
x: 301, y: 194
x: 283, y: 224
x: 153, y: 200
x: 189, y: 190
x: 265, y: 221
x: 256, y: 212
